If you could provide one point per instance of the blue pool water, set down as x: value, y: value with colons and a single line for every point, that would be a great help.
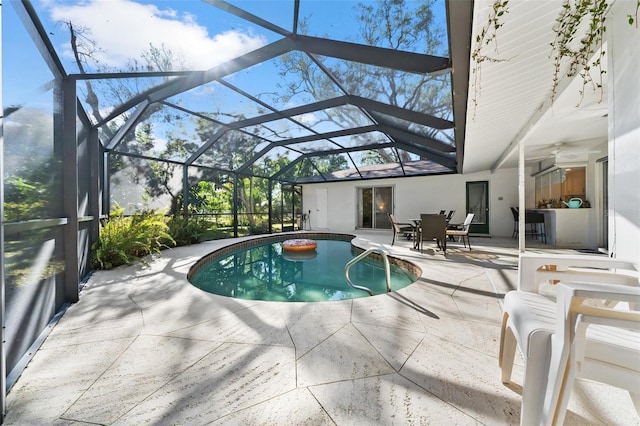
x: 264, y: 272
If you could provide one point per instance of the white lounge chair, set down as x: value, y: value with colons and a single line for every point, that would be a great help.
x: 530, y: 321
x: 592, y: 341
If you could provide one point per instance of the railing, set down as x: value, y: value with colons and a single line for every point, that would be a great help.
x: 387, y: 268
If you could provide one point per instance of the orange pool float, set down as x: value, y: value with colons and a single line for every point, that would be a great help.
x: 300, y: 244
x: 299, y: 256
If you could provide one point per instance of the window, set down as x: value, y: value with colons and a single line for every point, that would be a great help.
x: 560, y: 185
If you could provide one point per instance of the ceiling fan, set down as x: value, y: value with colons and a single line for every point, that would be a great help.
x: 565, y: 152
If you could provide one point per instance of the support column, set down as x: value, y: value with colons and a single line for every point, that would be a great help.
x: 270, y: 202
x: 69, y: 145
x: 3, y: 355
x: 185, y: 190
x: 95, y: 199
x: 106, y: 182
x: 235, y: 205
x: 521, y: 197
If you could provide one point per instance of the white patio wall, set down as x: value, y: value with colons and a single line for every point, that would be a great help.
x: 415, y: 195
x: 624, y: 132
x: 429, y: 194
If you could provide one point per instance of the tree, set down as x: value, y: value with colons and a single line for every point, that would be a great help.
x: 229, y: 152
x: 396, y: 24
x: 156, y: 177
x: 114, y: 92
x: 391, y: 24
x: 32, y: 170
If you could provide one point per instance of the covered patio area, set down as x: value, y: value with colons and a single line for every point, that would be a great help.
x: 143, y: 346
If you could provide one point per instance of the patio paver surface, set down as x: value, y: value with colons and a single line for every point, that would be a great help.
x: 142, y: 346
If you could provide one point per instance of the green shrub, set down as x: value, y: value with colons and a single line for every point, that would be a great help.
x: 187, y: 230
x: 123, y: 240
x: 259, y: 228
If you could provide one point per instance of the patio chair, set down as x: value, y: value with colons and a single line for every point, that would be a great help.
x: 405, y: 229
x: 461, y: 230
x: 535, y: 323
x: 535, y: 220
x: 433, y: 227
x: 537, y: 227
x: 450, y: 215
x: 516, y: 222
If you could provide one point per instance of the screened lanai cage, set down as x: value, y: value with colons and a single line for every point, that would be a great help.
x: 218, y: 110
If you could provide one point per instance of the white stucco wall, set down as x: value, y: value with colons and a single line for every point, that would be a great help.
x: 429, y: 194
x: 624, y: 132
x: 415, y: 195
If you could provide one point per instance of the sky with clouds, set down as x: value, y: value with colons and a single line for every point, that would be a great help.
x: 198, y: 34
x: 123, y: 29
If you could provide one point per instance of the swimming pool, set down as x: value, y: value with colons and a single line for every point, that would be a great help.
x: 260, y: 270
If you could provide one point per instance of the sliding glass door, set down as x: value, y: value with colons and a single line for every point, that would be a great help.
x: 374, y: 205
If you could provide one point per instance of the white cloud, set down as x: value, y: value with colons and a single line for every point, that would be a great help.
x: 123, y: 29
x: 308, y: 118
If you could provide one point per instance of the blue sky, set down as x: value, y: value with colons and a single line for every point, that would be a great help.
x: 198, y: 33
x: 123, y: 29
x: 201, y: 35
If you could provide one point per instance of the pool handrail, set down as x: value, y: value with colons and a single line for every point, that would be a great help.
x: 384, y: 253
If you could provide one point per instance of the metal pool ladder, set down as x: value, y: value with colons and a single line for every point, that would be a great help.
x: 384, y: 253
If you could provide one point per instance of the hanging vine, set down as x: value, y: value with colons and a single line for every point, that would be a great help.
x: 487, y: 36
x: 634, y: 18
x: 579, y: 34
x: 579, y: 39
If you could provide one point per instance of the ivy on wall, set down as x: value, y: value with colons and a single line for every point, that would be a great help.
x: 634, y: 17
x: 487, y: 36
x: 578, y: 42
x: 579, y: 33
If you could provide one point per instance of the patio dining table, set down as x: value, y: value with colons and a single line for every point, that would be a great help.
x: 416, y: 231
x: 416, y: 228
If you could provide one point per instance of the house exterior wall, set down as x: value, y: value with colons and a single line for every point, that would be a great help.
x: 415, y: 195
x: 624, y: 132
x: 429, y: 194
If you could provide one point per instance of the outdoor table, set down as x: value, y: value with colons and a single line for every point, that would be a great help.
x: 416, y: 231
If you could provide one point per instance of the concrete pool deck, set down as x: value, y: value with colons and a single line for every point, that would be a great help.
x: 143, y: 346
